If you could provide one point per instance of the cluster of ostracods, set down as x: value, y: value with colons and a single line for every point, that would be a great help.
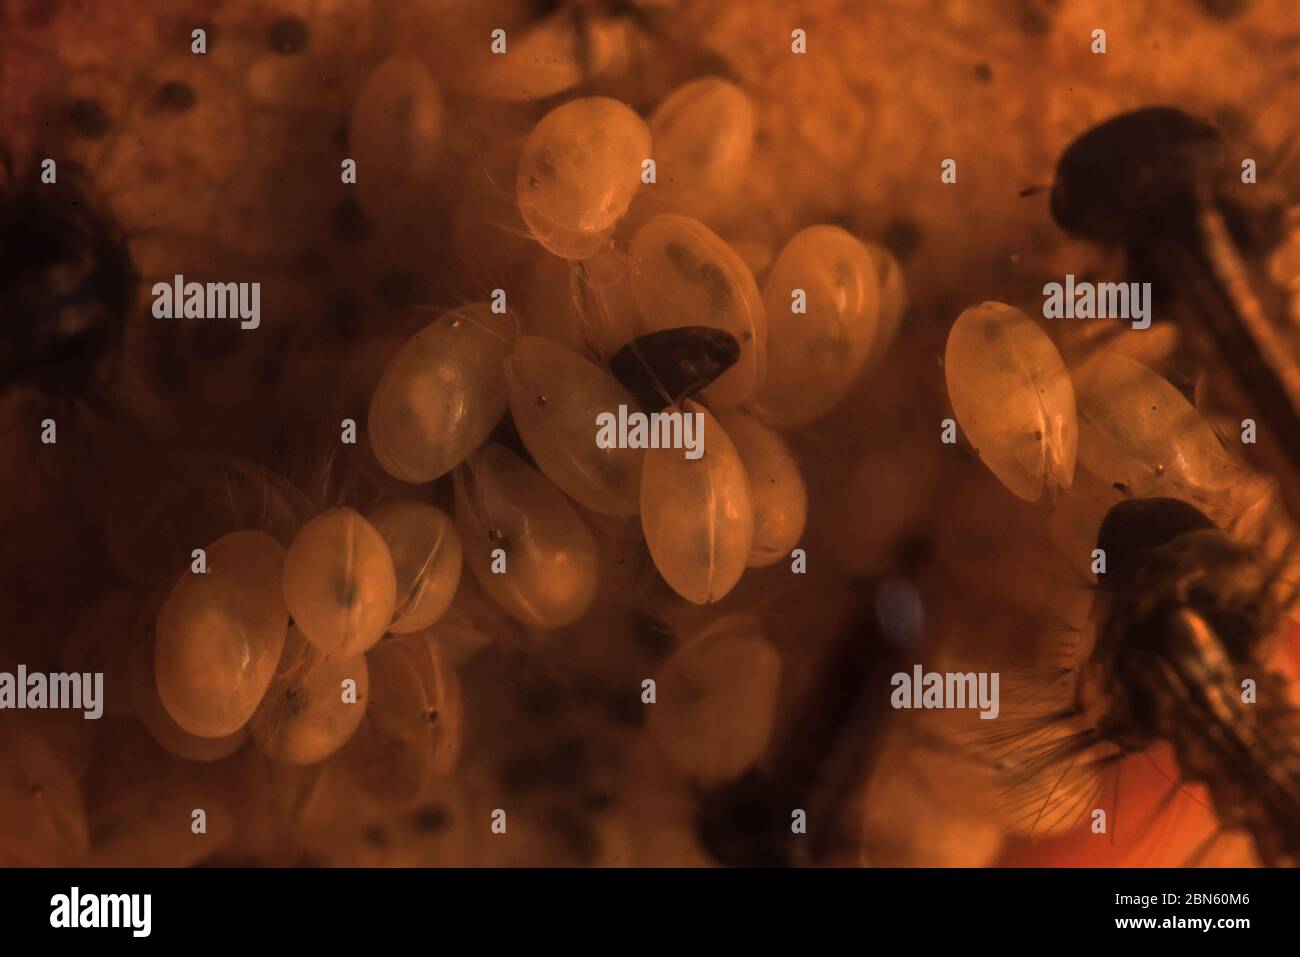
x: 1036, y: 420
x: 324, y: 631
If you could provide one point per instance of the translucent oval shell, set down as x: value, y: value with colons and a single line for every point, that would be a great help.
x: 556, y: 397
x: 1013, y: 398
x: 551, y: 564
x: 339, y: 583
x: 442, y: 394
x: 698, y: 515
x: 817, y: 354
x: 703, y: 135
x: 1137, y: 430
x: 141, y: 692
x: 587, y: 305
x: 579, y: 169
x: 893, y: 298
x: 683, y: 274
x: 394, y: 135
x: 314, y: 705
x: 220, y: 635
x: 776, y: 486
x: 427, y: 560
x: 412, y: 728
x: 716, y: 701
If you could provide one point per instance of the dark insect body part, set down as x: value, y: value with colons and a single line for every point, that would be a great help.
x: 663, y: 368
x: 818, y: 765
x: 1181, y: 629
x: 68, y: 286
x: 1162, y: 186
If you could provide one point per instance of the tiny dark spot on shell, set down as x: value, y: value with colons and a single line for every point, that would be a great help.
x: 346, y: 590
x: 983, y: 72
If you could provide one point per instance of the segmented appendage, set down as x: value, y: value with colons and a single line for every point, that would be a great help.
x: 1183, y: 626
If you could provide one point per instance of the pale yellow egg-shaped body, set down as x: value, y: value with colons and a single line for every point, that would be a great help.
x: 698, y: 514
x: 220, y: 635
x: 776, y: 486
x: 314, y: 705
x: 525, y: 543
x: 557, y: 399
x: 339, y: 582
x: 427, y: 560
x: 442, y: 394
x: 1013, y: 398
x: 822, y: 300
x: 716, y: 701
x: 683, y: 274
x: 579, y: 169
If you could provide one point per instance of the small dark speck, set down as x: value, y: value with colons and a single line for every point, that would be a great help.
x: 983, y: 72
x: 288, y: 35
x: 902, y: 237
x: 1034, y: 20
x: 350, y: 224
x: 1223, y: 9
x: 431, y: 818
x: 175, y: 97
x: 89, y: 118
